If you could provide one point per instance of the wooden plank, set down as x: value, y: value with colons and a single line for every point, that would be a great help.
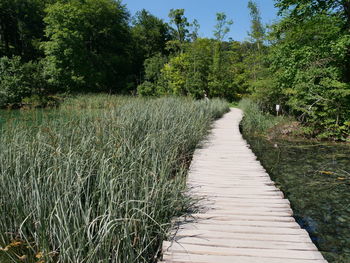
x: 237, y: 204
x: 229, y: 184
x: 238, y: 194
x: 245, y: 236
x: 239, y: 243
x: 256, y: 223
x: 219, y: 217
x: 233, y: 208
x: 235, y: 189
x: 243, y: 229
x: 251, y: 252
x: 243, y: 216
x: 249, y: 200
x: 187, y: 258
x: 249, y: 212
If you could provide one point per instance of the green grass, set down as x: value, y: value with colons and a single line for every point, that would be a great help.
x: 99, y: 179
x: 256, y: 121
x: 234, y: 104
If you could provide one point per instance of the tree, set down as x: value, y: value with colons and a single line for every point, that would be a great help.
x: 257, y: 31
x: 153, y: 67
x: 306, y: 9
x: 307, y: 65
x: 200, y: 54
x: 22, y: 28
x: 310, y: 61
x: 194, y: 32
x: 177, y: 17
x: 150, y: 35
x: 19, y: 80
x: 187, y: 72
x: 256, y: 51
x: 216, y: 78
x: 222, y: 26
x: 174, y: 74
x: 88, y: 45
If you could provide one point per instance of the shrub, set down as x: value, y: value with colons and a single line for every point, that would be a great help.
x: 147, y: 89
x: 257, y: 121
x: 14, y: 81
x: 20, y: 80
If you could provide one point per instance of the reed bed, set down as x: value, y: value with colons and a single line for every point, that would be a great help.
x: 256, y: 121
x: 99, y: 179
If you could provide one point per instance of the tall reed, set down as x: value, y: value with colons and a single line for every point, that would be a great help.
x: 257, y: 121
x: 99, y: 179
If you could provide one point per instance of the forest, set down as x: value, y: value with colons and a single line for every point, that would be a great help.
x: 52, y: 48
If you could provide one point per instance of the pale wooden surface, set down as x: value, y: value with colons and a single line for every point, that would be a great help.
x: 243, y: 217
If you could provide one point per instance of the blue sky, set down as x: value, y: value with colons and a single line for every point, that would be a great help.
x: 204, y: 11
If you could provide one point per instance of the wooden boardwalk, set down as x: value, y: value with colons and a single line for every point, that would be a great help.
x: 244, y: 217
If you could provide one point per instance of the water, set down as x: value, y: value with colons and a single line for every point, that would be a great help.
x: 315, y: 177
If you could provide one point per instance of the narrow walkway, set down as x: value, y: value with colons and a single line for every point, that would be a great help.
x: 244, y: 217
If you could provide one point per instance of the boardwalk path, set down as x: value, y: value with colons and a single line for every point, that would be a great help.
x: 245, y: 218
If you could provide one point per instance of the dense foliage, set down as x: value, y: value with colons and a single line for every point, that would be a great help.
x: 87, y: 47
x: 97, y: 180
x: 301, y: 62
x: 307, y: 66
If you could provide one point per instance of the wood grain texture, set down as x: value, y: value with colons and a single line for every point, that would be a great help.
x: 242, y: 217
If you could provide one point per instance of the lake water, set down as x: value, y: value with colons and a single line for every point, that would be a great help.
x: 315, y: 177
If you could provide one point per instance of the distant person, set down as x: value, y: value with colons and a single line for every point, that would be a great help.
x: 206, y: 96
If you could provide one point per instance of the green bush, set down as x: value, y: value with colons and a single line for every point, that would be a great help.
x: 147, y: 89
x: 20, y: 80
x: 88, y: 45
x: 257, y: 121
x: 14, y: 81
x: 308, y: 73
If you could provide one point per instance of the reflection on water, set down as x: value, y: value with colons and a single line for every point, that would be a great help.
x: 315, y: 177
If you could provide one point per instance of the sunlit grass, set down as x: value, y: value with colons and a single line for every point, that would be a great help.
x: 99, y: 179
x: 256, y: 121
